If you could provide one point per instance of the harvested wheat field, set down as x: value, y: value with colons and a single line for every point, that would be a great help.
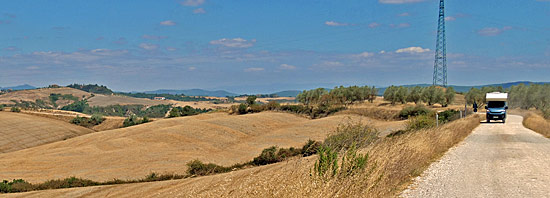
x: 393, y: 163
x: 42, y: 94
x: 165, y: 146
x: 20, y: 131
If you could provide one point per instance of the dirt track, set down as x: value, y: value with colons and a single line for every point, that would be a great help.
x: 496, y: 160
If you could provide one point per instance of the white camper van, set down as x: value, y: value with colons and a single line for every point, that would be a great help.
x: 496, y: 106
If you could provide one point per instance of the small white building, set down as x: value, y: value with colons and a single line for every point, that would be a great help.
x: 159, y: 98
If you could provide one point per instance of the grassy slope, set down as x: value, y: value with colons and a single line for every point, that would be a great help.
x: 164, y: 146
x: 397, y: 160
x: 43, y: 94
x: 20, y: 131
x: 537, y: 123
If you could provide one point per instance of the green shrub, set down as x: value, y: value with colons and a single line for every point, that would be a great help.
x: 186, y: 111
x: 350, y: 134
x: 268, y: 156
x: 134, y: 120
x: 420, y: 122
x: 242, y: 109
x: 88, y: 122
x: 353, y: 162
x: 412, y: 111
x: 15, y: 109
x: 310, y: 148
x: 196, y: 167
x: 448, y: 116
x: 327, y: 164
x: 272, y: 105
x: 2, y: 107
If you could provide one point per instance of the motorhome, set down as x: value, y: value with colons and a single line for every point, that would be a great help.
x: 496, y: 106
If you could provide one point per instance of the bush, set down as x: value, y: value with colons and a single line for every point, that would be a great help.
x: 2, y: 107
x: 449, y: 115
x: 242, y: 109
x: 420, y: 122
x: 196, y: 167
x: 88, y: 122
x: 134, y: 120
x: 412, y: 111
x: 310, y: 148
x: 15, y: 109
x: 185, y: 111
x: 350, y: 134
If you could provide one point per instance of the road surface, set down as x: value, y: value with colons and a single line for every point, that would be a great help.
x: 496, y: 160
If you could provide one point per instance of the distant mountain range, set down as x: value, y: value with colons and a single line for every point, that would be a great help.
x: 19, y: 87
x: 193, y: 92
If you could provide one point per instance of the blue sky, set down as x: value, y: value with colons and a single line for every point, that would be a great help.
x: 263, y: 46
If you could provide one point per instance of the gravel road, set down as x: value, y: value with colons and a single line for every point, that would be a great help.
x: 496, y: 160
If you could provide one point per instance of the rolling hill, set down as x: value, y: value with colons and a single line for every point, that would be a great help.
x: 165, y: 146
x: 21, y: 131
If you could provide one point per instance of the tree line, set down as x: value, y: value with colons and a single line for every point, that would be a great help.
x: 337, y: 96
x: 430, y: 95
x: 530, y: 96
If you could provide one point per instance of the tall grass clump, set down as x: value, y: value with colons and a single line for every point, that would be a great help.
x: 349, y: 134
x: 412, y: 111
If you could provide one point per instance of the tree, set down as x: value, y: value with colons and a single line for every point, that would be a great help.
x: 433, y: 95
x: 449, y: 96
x: 401, y: 94
x: 251, y: 100
x: 389, y: 94
x: 415, y: 95
x: 475, y: 95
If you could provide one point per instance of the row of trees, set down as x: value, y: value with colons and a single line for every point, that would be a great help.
x: 431, y: 95
x: 478, y: 95
x: 337, y: 96
x: 530, y: 96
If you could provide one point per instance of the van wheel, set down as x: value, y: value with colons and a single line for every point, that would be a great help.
x: 488, y: 121
x: 503, y: 121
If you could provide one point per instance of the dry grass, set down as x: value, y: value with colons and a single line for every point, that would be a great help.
x: 537, y: 123
x: 393, y: 163
x: 19, y: 131
x: 166, y: 145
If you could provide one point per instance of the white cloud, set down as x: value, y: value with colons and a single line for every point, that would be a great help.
x: 412, y: 50
x: 168, y: 23
x: 493, y: 31
x: 364, y: 55
x: 374, y: 25
x: 191, y: 68
x: 399, y: 1
x: 401, y: 25
x: 11, y: 48
x: 254, y: 69
x: 404, y: 14
x: 287, y: 67
x: 192, y: 2
x: 334, y: 23
x: 171, y: 49
x: 153, y: 37
x: 199, y: 11
x: 148, y: 46
x: 450, y: 18
x: 234, y: 43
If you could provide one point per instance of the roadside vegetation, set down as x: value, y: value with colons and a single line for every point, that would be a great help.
x: 531, y: 96
x: 537, y: 123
